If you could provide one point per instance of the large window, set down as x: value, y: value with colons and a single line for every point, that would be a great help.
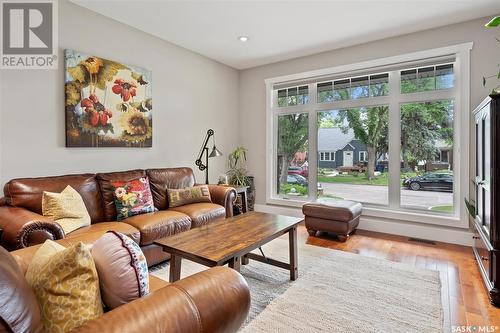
x: 388, y: 138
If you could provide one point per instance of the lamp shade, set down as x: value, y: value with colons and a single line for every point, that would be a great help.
x: 215, y: 152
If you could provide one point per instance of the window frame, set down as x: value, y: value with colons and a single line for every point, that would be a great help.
x: 331, y: 156
x: 460, y: 93
x: 364, y: 152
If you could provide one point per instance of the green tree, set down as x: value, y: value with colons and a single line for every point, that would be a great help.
x: 292, y: 138
x: 422, y: 125
x: 370, y: 126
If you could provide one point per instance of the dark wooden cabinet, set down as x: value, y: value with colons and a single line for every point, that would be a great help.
x: 486, y: 180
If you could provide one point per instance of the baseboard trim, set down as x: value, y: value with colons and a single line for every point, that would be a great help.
x: 391, y: 226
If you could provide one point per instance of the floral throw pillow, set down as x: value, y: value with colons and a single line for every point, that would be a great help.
x: 132, y: 197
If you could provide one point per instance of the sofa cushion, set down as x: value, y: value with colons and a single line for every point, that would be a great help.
x: 132, y: 197
x: 188, y: 195
x: 118, y: 258
x: 162, y: 179
x: 202, y: 213
x: 153, y: 226
x: 19, y: 309
x: 66, y: 208
x: 66, y: 285
x: 107, y: 189
x: 155, y: 283
x: 94, y: 231
x: 27, y: 192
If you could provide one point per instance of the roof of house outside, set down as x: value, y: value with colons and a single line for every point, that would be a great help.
x: 333, y: 139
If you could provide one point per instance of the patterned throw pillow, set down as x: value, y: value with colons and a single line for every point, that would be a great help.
x: 66, y: 208
x: 66, y: 286
x: 119, y: 258
x: 132, y: 197
x: 188, y: 195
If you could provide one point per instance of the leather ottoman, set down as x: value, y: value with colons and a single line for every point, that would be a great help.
x: 339, y: 217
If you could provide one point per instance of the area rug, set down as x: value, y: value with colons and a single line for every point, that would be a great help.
x: 336, y: 292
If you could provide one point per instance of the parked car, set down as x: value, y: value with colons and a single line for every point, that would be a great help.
x: 300, y: 180
x: 296, y: 170
x: 296, y: 179
x: 439, y: 181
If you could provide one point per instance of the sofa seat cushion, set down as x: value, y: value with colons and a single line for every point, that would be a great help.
x: 95, y: 231
x: 155, y: 283
x: 153, y: 226
x: 202, y: 213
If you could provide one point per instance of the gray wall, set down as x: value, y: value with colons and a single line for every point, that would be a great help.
x: 485, y: 56
x: 190, y: 94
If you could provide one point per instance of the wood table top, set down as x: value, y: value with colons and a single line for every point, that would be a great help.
x: 216, y: 242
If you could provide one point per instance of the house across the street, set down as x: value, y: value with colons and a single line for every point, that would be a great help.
x: 338, y: 149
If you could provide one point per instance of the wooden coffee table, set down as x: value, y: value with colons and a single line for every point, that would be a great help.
x: 230, y: 241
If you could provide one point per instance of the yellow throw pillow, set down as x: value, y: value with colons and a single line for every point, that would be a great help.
x: 66, y: 286
x: 66, y: 208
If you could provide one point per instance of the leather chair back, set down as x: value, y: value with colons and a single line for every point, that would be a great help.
x: 162, y: 179
x: 27, y: 192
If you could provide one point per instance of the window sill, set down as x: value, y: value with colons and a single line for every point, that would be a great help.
x: 389, y: 214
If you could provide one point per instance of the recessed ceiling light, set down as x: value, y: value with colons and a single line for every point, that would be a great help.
x: 243, y: 38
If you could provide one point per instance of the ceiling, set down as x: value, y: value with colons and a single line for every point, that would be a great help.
x: 280, y: 30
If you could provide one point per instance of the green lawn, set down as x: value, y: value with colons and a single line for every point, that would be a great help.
x: 443, y: 209
x: 361, y: 179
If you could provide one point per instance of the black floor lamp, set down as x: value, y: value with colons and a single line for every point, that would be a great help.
x: 204, y: 150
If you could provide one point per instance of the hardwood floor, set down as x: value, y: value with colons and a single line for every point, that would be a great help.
x: 464, y: 296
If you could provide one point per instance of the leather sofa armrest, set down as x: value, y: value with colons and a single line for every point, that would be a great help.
x: 224, y: 196
x: 23, y: 228
x: 215, y: 300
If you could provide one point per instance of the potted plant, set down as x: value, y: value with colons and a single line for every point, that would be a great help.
x: 493, y: 23
x: 238, y: 173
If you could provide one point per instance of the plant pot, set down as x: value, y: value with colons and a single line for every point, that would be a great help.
x: 251, y: 193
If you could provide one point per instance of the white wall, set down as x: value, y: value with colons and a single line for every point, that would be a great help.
x: 190, y: 94
x: 485, y: 56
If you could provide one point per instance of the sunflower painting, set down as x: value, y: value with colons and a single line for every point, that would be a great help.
x: 108, y: 104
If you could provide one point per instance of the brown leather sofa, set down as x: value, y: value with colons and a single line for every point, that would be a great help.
x: 215, y: 300
x: 24, y: 226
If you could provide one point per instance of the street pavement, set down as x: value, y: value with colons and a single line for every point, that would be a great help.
x: 376, y: 194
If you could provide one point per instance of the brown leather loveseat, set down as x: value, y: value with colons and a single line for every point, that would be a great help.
x: 24, y: 226
x: 216, y: 300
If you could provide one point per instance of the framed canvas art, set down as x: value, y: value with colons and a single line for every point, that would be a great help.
x: 108, y: 104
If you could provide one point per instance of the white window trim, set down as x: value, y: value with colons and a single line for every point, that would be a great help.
x: 331, y: 156
x: 461, y: 134
x: 364, y: 152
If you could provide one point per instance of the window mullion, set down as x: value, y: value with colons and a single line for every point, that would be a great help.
x: 394, y: 140
x: 313, y: 143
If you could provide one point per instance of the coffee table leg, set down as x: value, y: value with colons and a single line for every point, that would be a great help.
x: 292, y: 240
x: 175, y: 268
x: 245, y: 260
x: 235, y: 263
